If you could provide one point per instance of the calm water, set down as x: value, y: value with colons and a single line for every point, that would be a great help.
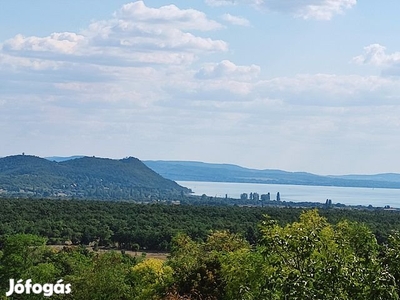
x: 298, y: 193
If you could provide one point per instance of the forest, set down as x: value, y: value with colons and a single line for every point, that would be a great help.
x: 297, y: 254
x: 121, y: 224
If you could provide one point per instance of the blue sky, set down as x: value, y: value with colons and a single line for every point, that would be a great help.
x: 298, y: 85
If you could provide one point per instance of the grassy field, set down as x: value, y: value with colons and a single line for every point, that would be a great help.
x: 149, y: 254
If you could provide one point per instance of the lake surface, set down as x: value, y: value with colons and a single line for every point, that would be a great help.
x: 300, y: 193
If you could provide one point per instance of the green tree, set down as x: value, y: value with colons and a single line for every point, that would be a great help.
x: 391, y: 257
x: 26, y: 256
x: 198, y: 267
x: 20, y: 254
x: 316, y: 260
x: 150, y: 279
x: 106, y: 278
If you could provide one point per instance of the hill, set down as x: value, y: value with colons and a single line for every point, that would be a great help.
x: 199, y: 171
x: 85, y: 177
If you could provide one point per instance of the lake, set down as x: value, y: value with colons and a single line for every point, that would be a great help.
x: 300, y: 193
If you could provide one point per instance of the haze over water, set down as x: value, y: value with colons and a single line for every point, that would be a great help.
x: 376, y: 197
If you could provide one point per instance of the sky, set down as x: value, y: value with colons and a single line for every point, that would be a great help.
x: 296, y: 85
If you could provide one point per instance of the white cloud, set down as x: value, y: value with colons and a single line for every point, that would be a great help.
x: 322, y: 9
x: 375, y: 54
x: 306, y: 9
x: 136, y: 35
x: 227, y: 69
x: 65, y: 43
x: 126, y: 61
x: 235, y: 20
x: 181, y: 18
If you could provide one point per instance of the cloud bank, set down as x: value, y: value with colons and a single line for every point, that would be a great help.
x: 164, y: 83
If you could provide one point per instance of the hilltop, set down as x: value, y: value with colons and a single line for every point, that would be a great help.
x: 84, y: 177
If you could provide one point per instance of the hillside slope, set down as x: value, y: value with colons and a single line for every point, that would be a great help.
x: 86, y: 177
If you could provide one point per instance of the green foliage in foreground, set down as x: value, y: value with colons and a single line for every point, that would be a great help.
x: 306, y: 259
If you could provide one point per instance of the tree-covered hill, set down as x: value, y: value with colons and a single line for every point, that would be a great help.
x: 86, y: 177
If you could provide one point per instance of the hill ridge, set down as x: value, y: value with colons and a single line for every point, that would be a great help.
x: 190, y: 171
x: 84, y: 177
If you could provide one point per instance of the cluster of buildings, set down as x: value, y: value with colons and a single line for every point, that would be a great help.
x: 257, y: 197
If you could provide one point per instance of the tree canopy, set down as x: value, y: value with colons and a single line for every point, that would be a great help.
x: 309, y: 258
